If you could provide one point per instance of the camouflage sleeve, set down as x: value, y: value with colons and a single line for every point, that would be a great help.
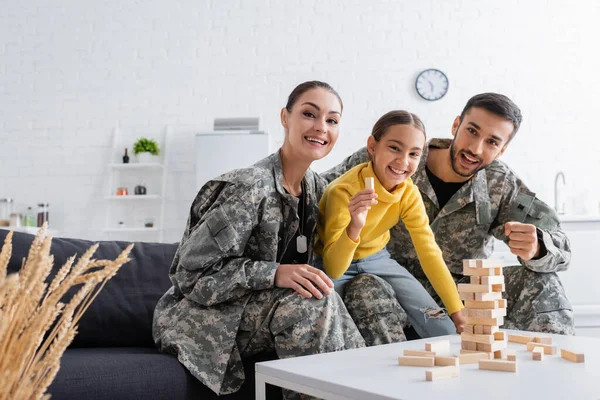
x: 359, y: 157
x: 520, y: 205
x: 211, y: 267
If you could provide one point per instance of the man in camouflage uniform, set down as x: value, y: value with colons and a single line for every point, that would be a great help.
x: 225, y: 304
x: 491, y: 203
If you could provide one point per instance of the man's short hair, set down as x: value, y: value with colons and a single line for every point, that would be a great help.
x: 497, y: 104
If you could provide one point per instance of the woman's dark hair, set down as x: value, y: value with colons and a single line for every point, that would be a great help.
x: 496, y: 104
x: 396, y: 117
x: 305, y: 87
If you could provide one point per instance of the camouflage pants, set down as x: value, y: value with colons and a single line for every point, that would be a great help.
x: 372, y: 304
x: 293, y: 326
x: 536, y: 302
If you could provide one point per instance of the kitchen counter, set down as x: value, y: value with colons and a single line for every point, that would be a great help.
x: 579, y: 218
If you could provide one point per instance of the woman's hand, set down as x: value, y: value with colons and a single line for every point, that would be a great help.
x: 359, y: 206
x: 306, y: 280
x: 459, y: 320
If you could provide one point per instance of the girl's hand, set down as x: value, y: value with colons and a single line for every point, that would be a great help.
x: 359, y: 206
x: 459, y: 320
x: 304, y: 279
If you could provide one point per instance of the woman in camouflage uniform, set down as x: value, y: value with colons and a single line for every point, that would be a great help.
x: 241, y: 279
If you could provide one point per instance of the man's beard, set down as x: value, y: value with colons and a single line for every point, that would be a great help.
x: 454, y: 162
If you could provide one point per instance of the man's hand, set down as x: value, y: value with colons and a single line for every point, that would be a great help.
x: 303, y: 278
x: 523, y: 240
x: 359, y: 205
x: 459, y: 320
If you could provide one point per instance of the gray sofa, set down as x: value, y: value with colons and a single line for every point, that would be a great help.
x: 113, y: 356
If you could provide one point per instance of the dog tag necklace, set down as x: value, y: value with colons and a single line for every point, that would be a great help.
x: 301, y: 243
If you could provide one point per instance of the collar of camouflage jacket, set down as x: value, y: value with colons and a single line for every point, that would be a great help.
x: 312, y: 193
x: 474, y: 190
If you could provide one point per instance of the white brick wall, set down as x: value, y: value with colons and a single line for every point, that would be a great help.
x: 70, y: 70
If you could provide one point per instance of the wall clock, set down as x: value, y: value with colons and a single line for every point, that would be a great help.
x: 432, y: 84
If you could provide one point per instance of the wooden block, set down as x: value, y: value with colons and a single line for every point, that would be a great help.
x: 419, y: 353
x: 500, y: 354
x: 416, y: 361
x: 537, y: 354
x: 498, y: 288
x: 498, y: 321
x: 491, y: 280
x: 438, y: 346
x: 477, y: 338
x: 472, y: 358
x: 489, y: 263
x: 490, y: 330
x: 571, y: 356
x: 488, y: 296
x: 442, y: 373
x: 500, y: 335
x: 446, y: 361
x: 468, y: 288
x: 369, y: 183
x: 523, y: 339
x: 475, y: 280
x: 502, y: 303
x: 478, y: 329
x: 483, y: 305
x: 497, y: 271
x: 543, y: 339
x: 483, y: 313
x: 466, y: 351
x: 466, y: 296
x: 498, y: 365
x: 469, y: 264
x: 490, y: 348
x: 468, y: 271
x: 511, y: 355
x: 548, y: 348
x: 472, y: 346
x: 468, y: 329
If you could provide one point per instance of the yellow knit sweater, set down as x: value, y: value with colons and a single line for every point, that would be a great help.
x: 405, y: 203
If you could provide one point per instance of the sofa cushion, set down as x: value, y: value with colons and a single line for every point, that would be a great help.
x: 121, y: 315
x: 137, y: 373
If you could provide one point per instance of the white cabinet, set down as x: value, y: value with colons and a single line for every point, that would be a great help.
x: 582, y: 279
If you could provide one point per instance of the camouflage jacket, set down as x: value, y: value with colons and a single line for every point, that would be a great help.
x: 230, y: 248
x: 467, y: 225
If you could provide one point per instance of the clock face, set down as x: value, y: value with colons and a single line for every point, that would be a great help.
x: 432, y: 84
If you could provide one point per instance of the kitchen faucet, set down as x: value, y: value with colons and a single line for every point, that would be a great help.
x: 559, y: 209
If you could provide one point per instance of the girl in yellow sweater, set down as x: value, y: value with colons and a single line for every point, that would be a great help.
x: 354, y: 226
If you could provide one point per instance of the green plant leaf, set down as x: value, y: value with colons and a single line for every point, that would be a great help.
x: 144, y: 145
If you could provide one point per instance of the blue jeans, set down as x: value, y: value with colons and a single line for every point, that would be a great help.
x: 425, y: 315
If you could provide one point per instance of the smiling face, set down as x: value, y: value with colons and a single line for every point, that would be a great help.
x: 479, y: 139
x: 396, y: 154
x: 311, y: 126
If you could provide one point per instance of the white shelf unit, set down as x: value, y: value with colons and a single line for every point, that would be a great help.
x: 131, y: 209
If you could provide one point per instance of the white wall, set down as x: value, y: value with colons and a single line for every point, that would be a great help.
x: 70, y: 70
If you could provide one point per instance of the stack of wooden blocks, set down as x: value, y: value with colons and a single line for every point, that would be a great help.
x: 485, y: 309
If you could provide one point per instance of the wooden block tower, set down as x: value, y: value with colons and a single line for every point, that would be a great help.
x: 484, y: 306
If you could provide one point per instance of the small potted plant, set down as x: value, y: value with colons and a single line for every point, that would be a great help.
x: 146, y: 150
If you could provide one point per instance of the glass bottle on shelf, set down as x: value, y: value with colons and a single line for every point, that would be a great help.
x: 6, y: 208
x: 126, y: 157
x: 16, y: 220
x: 29, y: 218
x: 42, y: 215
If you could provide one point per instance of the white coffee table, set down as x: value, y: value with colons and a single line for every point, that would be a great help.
x: 374, y: 373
